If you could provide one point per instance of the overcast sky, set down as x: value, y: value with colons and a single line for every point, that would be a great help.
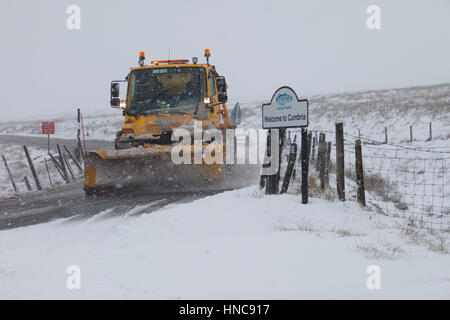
x: 313, y: 46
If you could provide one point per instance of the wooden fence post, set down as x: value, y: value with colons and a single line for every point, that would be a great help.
x: 289, y: 168
x: 431, y: 134
x: 271, y: 183
x: 71, y: 156
x: 306, y: 145
x: 62, y: 163
x: 410, y: 134
x: 27, y: 183
x: 327, y: 164
x: 294, y: 173
x: 48, y: 172
x: 262, y: 181
x: 323, y: 159
x: 58, y: 167
x: 320, y: 150
x: 68, y: 166
x: 265, y: 164
x: 33, y: 171
x: 385, y: 135
x: 282, y: 145
x: 340, y: 179
x: 10, y: 175
x: 313, y: 149
x: 360, y: 173
x: 271, y: 180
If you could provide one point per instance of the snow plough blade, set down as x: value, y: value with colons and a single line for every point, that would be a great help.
x: 153, y: 170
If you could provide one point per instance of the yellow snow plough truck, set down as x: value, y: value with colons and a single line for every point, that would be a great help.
x: 161, y: 98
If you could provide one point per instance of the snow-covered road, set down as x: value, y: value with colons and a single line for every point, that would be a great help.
x: 66, y: 201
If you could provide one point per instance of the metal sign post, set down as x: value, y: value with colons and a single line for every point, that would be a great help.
x: 48, y: 128
x: 284, y: 111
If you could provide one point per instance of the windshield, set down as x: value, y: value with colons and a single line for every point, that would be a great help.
x: 179, y: 88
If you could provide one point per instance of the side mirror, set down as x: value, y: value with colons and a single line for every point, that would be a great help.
x: 115, y: 93
x: 235, y: 117
x: 222, y: 89
x: 115, y: 89
x: 221, y: 84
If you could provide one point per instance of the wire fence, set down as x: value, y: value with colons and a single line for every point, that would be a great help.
x: 399, y: 181
x: 412, y: 188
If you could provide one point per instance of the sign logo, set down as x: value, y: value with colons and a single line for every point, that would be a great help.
x: 283, y: 99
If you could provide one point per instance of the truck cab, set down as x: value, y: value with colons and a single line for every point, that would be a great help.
x: 169, y: 94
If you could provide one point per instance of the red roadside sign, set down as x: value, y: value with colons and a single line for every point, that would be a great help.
x: 48, y: 127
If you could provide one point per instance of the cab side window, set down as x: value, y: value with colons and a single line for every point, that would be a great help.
x: 212, y: 87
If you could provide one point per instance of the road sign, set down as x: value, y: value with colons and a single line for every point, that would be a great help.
x: 48, y: 127
x: 285, y: 110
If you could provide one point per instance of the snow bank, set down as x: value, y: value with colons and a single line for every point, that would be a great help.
x: 238, y: 244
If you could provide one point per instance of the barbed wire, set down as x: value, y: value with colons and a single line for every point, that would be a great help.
x: 377, y: 143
